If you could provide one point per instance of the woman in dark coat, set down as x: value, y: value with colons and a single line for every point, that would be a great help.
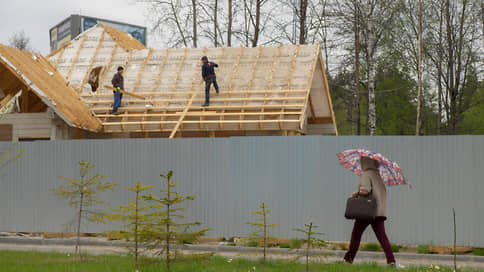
x: 371, y: 182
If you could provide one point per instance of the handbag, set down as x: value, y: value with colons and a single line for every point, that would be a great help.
x: 361, y: 207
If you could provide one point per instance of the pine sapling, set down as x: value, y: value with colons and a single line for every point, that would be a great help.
x: 261, y: 226
x: 83, y: 194
x: 163, y: 229
x: 312, y: 240
x: 134, y: 216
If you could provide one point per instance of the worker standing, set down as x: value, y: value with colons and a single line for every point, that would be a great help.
x: 208, y: 74
x: 118, y: 84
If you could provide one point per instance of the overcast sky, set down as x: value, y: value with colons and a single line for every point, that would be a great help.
x: 37, y: 17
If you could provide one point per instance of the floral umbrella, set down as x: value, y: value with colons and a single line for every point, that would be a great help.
x: 390, y: 172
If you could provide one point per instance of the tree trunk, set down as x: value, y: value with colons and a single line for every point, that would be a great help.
x: 178, y: 25
x: 79, y: 221
x: 371, y: 71
x: 419, y: 67
x: 195, y: 34
x: 168, y: 233
x: 265, y: 230
x: 255, y: 40
x: 215, y: 32
x: 136, y: 230
x: 303, y: 5
x: 357, y: 67
x: 229, y: 27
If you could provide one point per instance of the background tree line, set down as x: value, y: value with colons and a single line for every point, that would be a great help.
x: 388, y: 61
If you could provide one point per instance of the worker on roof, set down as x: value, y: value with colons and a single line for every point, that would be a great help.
x: 118, y: 84
x: 208, y: 74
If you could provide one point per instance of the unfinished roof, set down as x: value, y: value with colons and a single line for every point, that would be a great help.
x: 277, y: 88
x: 23, y: 71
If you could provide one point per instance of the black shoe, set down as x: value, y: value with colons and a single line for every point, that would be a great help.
x: 115, y: 113
x: 206, y: 105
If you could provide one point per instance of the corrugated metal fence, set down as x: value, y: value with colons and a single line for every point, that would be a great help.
x: 299, y: 178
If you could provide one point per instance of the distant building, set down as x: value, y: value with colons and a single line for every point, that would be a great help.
x: 74, y: 25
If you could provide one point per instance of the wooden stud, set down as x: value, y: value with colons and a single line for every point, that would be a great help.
x: 76, y: 57
x: 176, y: 123
x: 141, y: 70
x: 155, y: 101
x: 226, y: 92
x: 157, y: 80
x: 211, y: 107
x: 308, y: 86
x: 59, y: 58
x: 206, y: 113
x: 234, y: 71
x: 194, y: 79
x: 182, y: 62
x: 328, y: 95
x: 269, y: 82
x: 92, y: 61
x: 254, y: 69
x: 289, y: 80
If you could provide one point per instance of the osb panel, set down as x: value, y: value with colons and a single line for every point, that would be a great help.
x: 124, y: 40
x: 37, y: 74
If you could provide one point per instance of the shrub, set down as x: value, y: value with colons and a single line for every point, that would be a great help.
x: 395, y: 248
x: 478, y: 251
x: 284, y: 246
x: 296, y: 243
x: 371, y: 247
x: 252, y: 244
x: 423, y: 249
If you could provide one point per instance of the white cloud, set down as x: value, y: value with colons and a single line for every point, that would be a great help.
x: 37, y: 17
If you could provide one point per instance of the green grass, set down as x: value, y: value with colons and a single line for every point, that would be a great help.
x: 16, y: 261
x: 423, y: 249
x: 478, y: 251
x: 285, y: 246
x: 371, y: 247
x: 252, y: 244
x: 296, y: 243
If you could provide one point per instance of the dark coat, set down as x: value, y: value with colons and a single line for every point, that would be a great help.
x: 118, y: 81
x: 208, y: 70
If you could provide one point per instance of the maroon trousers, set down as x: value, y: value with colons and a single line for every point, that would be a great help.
x: 378, y: 226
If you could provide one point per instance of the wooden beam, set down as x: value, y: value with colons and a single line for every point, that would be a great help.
x: 76, y: 57
x: 194, y: 80
x: 157, y: 80
x: 229, y: 89
x: 182, y: 62
x: 4, y: 101
x: 326, y: 88
x: 254, y: 69
x: 114, y: 89
x: 226, y: 92
x: 308, y: 85
x: 269, y: 82
x: 162, y: 101
x: 59, y: 57
x: 211, y: 107
x: 289, y: 78
x: 311, y: 108
x: 205, y: 113
x: 141, y: 71
x: 177, y: 123
x: 92, y: 61
x: 321, y: 120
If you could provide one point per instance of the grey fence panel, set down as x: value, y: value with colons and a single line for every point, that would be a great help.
x: 299, y: 178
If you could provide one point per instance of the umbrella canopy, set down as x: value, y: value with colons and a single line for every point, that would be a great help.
x: 390, y: 172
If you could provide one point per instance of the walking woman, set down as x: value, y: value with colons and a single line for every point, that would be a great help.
x: 371, y: 182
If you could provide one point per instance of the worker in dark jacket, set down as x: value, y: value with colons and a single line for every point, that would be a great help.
x: 208, y: 74
x: 118, y: 83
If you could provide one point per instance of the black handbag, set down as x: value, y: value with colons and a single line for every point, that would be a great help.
x: 361, y: 207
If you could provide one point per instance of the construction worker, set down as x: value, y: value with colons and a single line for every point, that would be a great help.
x: 208, y: 74
x: 118, y: 84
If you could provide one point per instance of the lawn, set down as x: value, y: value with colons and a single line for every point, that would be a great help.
x: 18, y: 261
